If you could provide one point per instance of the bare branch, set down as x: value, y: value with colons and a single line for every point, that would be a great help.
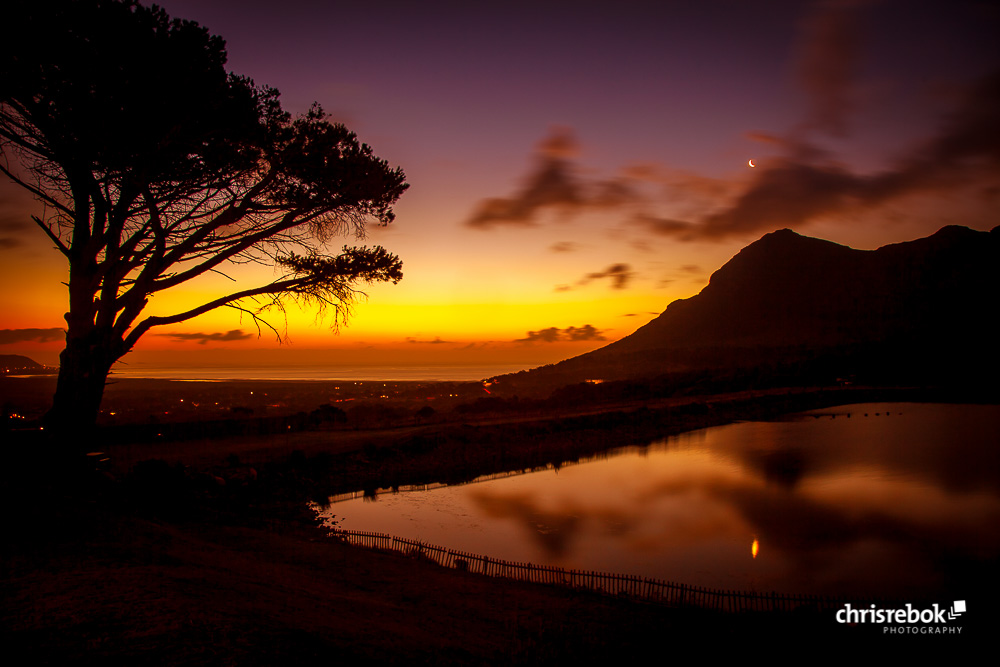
x: 40, y: 194
x: 52, y: 235
x: 152, y: 321
x: 257, y: 320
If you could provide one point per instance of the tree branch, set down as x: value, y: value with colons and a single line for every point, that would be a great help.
x: 37, y: 192
x: 257, y: 320
x: 52, y: 235
x: 153, y: 321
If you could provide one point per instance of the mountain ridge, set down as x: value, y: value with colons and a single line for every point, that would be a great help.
x: 788, y: 297
x: 12, y: 364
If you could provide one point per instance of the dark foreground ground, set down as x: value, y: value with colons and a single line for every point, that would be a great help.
x: 164, y: 566
x: 104, y: 588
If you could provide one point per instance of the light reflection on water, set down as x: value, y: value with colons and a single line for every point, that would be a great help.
x: 903, y: 501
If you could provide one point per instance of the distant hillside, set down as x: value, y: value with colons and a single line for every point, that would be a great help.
x: 15, y: 364
x: 907, y: 309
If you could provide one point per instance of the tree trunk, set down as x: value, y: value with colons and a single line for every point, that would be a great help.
x: 83, y: 371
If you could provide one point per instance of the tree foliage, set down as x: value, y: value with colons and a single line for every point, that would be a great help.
x: 156, y: 166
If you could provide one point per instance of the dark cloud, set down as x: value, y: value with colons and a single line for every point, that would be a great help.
x: 550, y: 335
x: 800, y: 182
x: 9, y: 336
x: 586, y: 332
x: 685, y: 231
x: 553, y: 185
x: 968, y: 146
x: 203, y: 338
x: 620, y: 275
x: 828, y: 63
x: 784, y: 195
x: 437, y: 341
x: 564, y: 246
x: 612, y: 193
x: 807, y: 184
x: 555, y: 334
x: 14, y: 214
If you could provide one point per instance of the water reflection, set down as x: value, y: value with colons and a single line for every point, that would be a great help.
x: 905, y: 501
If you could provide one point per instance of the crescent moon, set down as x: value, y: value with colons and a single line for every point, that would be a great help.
x: 750, y: 162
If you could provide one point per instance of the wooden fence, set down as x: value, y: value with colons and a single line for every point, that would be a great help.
x: 631, y: 586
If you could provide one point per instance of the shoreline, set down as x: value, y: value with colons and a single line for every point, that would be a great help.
x: 458, y: 449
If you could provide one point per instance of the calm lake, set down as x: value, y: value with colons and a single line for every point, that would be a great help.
x: 881, y: 499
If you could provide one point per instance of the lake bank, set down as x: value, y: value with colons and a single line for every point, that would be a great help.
x: 891, y: 500
x: 156, y: 567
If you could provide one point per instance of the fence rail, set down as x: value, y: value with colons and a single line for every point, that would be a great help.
x: 631, y: 586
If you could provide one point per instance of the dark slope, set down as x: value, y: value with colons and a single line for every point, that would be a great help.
x: 788, y: 299
x: 15, y: 363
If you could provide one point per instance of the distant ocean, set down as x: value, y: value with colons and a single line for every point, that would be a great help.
x: 315, y: 373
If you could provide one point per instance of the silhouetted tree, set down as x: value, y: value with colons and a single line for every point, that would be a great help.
x: 155, y: 166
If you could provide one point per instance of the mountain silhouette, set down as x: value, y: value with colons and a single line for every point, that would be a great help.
x: 906, y: 310
x: 14, y: 364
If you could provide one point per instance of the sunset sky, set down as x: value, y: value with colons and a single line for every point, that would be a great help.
x: 576, y: 166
